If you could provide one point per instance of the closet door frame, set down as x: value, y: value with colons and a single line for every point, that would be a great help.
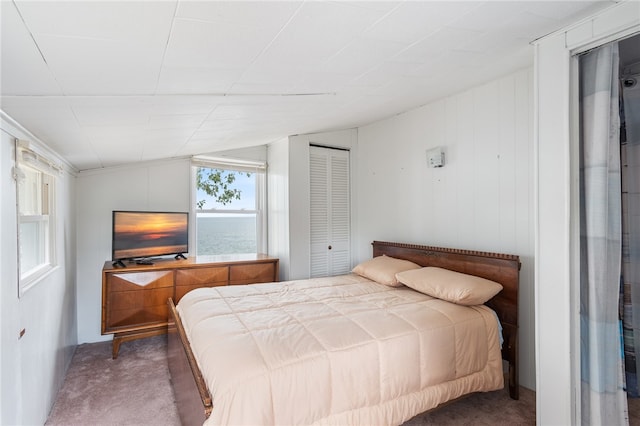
x: 297, y: 236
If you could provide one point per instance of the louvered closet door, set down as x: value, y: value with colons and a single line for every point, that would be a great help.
x: 330, y: 212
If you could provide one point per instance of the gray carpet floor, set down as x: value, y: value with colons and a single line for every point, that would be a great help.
x: 135, y: 389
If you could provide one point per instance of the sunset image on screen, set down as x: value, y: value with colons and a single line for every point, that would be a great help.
x: 144, y: 234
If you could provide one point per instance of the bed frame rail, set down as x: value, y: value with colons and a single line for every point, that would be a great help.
x: 189, y: 388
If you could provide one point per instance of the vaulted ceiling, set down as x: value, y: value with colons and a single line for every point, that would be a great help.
x: 112, y: 82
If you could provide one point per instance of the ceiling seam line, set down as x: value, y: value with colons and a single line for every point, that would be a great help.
x: 259, y: 55
x: 37, y: 46
x: 166, y: 47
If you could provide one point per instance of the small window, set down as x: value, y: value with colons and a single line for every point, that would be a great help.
x: 229, y: 208
x: 36, y: 225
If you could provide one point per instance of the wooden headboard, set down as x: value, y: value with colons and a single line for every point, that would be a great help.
x: 501, y: 268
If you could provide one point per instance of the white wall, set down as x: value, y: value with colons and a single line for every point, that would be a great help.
x: 160, y: 186
x: 481, y: 199
x: 32, y: 368
x: 278, y: 203
x: 556, y: 207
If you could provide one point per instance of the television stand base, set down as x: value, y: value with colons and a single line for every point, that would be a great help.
x: 180, y: 256
x: 119, y: 263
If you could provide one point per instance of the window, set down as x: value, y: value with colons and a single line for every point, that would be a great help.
x: 35, y: 182
x: 229, y: 206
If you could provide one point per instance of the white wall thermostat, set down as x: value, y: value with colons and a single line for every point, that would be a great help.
x: 435, y: 157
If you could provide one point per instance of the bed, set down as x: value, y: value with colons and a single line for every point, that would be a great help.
x: 346, y: 349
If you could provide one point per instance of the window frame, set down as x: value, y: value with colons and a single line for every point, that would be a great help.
x: 259, y: 168
x: 41, y: 212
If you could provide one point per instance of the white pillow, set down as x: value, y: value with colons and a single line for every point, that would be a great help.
x: 451, y: 286
x: 383, y: 269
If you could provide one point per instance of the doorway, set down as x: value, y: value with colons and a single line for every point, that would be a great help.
x: 630, y: 173
x: 610, y: 232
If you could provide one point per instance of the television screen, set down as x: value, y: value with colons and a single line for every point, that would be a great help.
x: 143, y: 234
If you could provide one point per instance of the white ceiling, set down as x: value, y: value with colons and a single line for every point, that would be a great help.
x: 108, y: 82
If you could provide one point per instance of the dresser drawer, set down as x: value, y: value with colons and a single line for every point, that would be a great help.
x: 135, y: 281
x: 138, y: 307
x: 203, y: 276
x: 181, y: 290
x: 190, y: 279
x: 253, y: 273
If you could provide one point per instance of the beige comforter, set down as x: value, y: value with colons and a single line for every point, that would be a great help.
x: 339, y: 350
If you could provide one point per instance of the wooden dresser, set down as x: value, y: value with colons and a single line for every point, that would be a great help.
x: 134, y: 299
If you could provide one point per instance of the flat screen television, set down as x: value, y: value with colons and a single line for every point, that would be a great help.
x: 143, y: 234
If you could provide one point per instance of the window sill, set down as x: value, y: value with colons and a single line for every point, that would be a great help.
x: 35, y: 277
